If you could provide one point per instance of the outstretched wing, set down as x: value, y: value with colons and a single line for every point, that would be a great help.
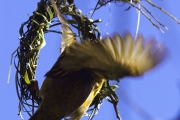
x: 113, y: 58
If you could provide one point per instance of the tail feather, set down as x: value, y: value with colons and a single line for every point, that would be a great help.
x: 67, y: 37
x: 67, y: 34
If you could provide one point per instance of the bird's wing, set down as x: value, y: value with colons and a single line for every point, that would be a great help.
x: 113, y: 58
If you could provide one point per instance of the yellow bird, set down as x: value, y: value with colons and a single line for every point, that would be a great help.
x: 81, y: 69
x: 78, y: 74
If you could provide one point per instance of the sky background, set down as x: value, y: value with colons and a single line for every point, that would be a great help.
x: 154, y: 95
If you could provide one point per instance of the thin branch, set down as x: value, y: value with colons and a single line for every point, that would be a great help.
x: 163, y: 11
x: 146, y: 16
x: 153, y: 16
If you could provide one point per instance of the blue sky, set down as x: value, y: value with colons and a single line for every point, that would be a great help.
x: 156, y: 92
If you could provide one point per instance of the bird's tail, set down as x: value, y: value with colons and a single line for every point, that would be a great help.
x: 67, y: 37
x: 67, y: 34
x: 113, y: 58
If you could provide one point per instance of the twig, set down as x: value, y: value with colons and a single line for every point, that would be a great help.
x: 163, y: 11
x: 153, y: 16
x: 146, y: 16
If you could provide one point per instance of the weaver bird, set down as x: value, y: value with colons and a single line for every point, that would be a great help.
x: 78, y: 74
x: 80, y: 70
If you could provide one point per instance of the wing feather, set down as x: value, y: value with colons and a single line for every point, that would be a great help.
x: 113, y: 57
